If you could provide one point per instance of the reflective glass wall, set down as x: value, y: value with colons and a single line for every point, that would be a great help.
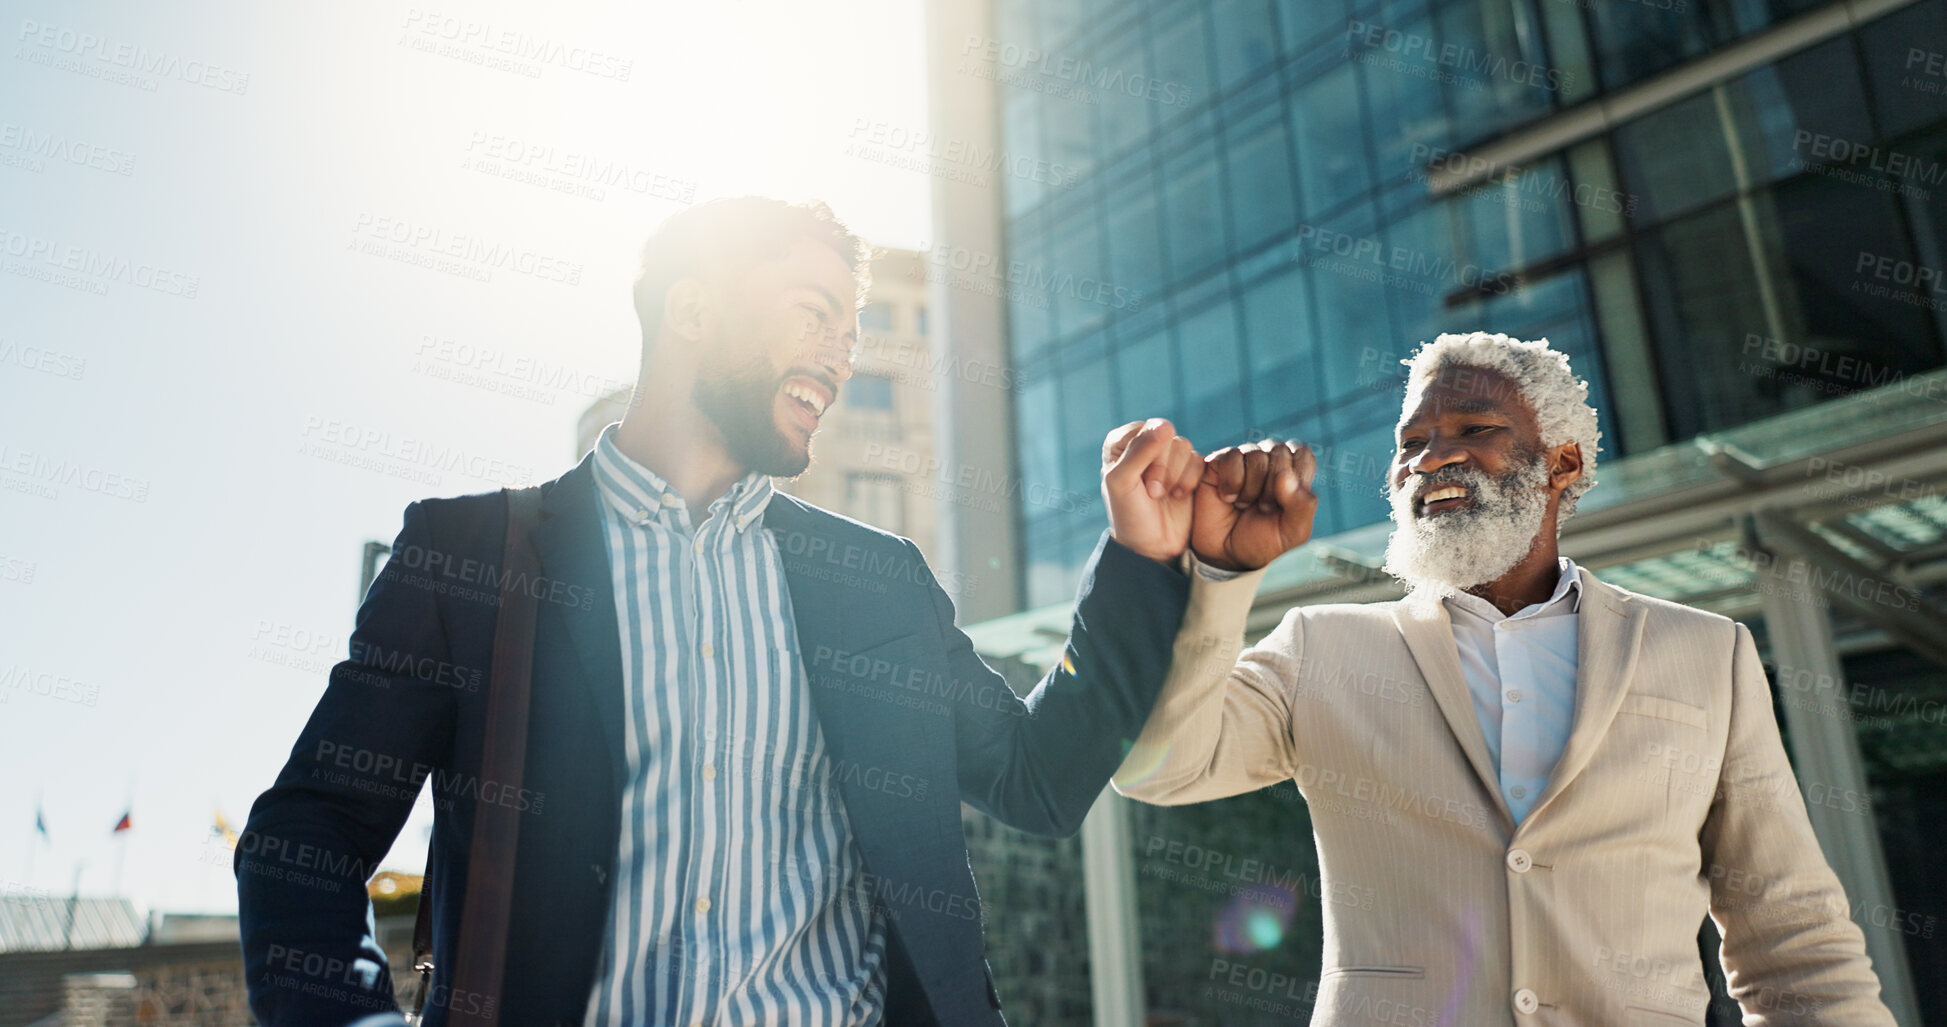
x: 1241, y: 214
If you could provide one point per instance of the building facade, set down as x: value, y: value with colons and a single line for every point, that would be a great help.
x: 1242, y: 214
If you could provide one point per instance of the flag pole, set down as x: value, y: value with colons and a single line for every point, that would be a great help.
x: 121, y: 857
x: 74, y: 899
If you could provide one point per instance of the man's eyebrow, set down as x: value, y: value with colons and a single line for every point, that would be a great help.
x: 824, y: 292
x: 1468, y: 405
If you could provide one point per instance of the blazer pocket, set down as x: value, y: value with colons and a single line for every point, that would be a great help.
x: 1666, y: 709
x: 1408, y: 973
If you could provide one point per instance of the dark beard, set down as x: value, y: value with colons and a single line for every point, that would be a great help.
x: 740, y: 399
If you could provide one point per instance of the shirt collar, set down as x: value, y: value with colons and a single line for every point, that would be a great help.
x: 1568, y: 591
x: 640, y: 495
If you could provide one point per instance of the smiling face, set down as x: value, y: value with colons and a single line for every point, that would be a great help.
x: 778, y: 349
x: 1470, y: 482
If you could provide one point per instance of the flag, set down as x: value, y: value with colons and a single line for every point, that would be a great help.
x: 123, y: 824
x: 40, y: 823
x: 223, y: 830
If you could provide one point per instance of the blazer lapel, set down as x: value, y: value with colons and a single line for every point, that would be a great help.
x: 569, y: 541
x: 1609, y: 631
x: 1423, y: 620
x: 860, y: 728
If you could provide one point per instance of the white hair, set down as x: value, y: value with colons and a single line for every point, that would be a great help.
x: 1540, y: 374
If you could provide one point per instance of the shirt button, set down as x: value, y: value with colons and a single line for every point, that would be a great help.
x: 699, y: 545
x: 1519, y: 861
x: 669, y: 499
x: 702, y: 905
x: 641, y: 515
x: 1514, y: 695
x: 1518, y: 792
x: 709, y: 650
x: 709, y: 772
x: 1525, y: 1001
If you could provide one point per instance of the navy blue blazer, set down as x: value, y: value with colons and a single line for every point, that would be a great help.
x: 896, y: 687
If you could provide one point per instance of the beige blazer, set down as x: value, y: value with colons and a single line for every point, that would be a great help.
x: 1672, y: 798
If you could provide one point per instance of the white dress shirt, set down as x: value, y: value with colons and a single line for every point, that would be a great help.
x: 1521, y: 673
x: 1520, y: 670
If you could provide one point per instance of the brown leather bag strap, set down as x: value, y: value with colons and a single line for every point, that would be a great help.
x: 480, y: 963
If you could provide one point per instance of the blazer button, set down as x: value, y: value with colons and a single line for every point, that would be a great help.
x: 1525, y: 1001
x: 1519, y: 861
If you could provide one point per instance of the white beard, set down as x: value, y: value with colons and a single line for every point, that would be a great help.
x: 1450, y: 552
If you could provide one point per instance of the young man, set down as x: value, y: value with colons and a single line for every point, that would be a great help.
x: 1479, y: 754
x: 752, y: 721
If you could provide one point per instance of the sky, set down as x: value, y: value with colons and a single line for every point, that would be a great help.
x: 272, y: 272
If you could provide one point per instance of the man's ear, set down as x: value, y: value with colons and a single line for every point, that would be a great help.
x: 1564, y: 466
x: 686, y: 309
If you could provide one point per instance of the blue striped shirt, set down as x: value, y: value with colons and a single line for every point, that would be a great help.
x: 738, y: 895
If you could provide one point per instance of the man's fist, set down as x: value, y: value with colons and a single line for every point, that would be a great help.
x: 1149, y: 482
x: 1253, y: 504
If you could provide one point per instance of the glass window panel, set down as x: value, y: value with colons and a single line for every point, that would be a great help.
x: 1278, y: 337
x: 1808, y: 109
x: 1302, y: 22
x: 1259, y: 168
x: 1039, y: 437
x: 1135, y: 249
x: 1411, y: 127
x: 1246, y: 39
x: 1060, y: 20
x: 1070, y: 137
x: 1416, y: 242
x: 1328, y: 135
x: 1124, y: 118
x: 1490, y: 58
x: 1732, y: 351
x: 1021, y: 134
x: 1087, y: 410
x: 1675, y: 160
x: 1530, y: 310
x: 1213, y: 409
x: 1633, y: 41
x: 1147, y: 376
x: 1358, y: 457
x: 1182, y: 56
x: 1909, y: 78
x: 1513, y: 221
x: 1353, y: 283
x: 1077, y: 259
x: 1193, y: 211
x: 868, y: 392
x: 1568, y: 50
x: 1841, y: 253
x: 1030, y: 311
x: 876, y: 317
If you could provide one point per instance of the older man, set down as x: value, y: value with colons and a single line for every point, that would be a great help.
x: 1506, y: 796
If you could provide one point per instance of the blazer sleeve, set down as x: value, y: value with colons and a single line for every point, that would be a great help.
x: 1038, y: 763
x: 319, y: 832
x: 1791, y: 952
x: 1222, y: 725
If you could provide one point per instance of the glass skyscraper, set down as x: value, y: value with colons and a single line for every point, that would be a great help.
x: 1242, y: 214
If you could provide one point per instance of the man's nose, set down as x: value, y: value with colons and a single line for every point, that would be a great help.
x: 1437, y: 453
x: 835, y: 353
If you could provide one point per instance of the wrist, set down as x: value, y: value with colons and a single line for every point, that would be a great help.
x: 1169, y: 558
x: 1219, y: 562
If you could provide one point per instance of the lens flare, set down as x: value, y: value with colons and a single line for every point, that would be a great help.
x: 1255, y: 920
